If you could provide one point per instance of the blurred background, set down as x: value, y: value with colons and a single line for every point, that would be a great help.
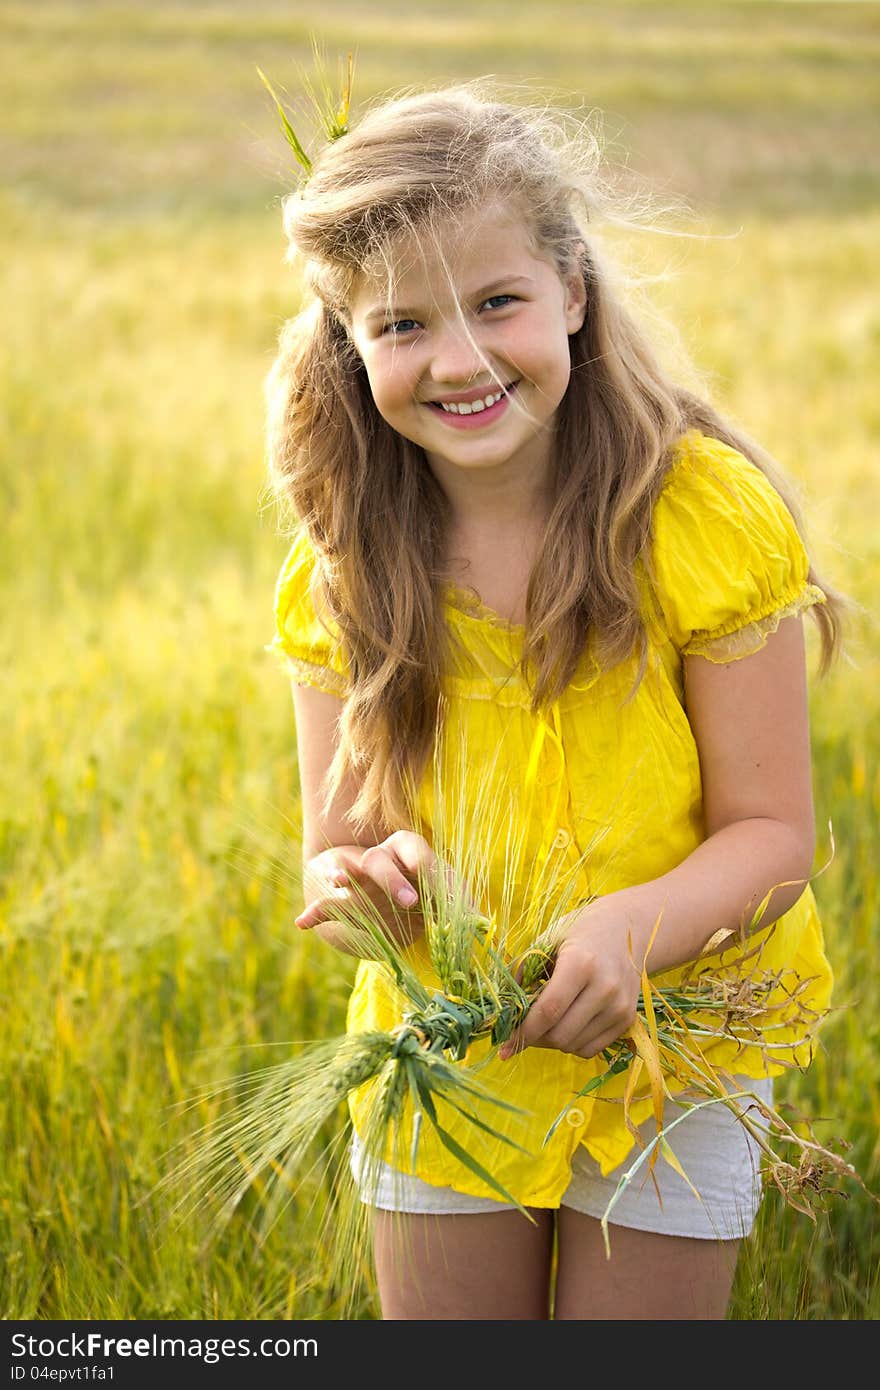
x: 148, y: 789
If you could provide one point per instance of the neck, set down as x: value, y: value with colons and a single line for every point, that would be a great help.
x: 506, y: 496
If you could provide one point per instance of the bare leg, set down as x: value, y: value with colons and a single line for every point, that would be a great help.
x: 492, y: 1265
x: 648, y: 1277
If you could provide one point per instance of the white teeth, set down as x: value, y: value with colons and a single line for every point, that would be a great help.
x: 471, y: 407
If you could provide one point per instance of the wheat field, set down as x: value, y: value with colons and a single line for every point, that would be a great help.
x: 148, y: 788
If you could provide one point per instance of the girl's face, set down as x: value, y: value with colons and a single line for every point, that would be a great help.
x: 471, y: 359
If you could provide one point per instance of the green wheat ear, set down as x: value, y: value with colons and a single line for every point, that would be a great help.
x: 301, y: 157
x: 332, y: 111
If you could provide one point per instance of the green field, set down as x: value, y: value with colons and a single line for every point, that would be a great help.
x: 148, y: 788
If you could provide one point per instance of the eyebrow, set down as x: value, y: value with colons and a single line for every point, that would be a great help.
x: 485, y: 292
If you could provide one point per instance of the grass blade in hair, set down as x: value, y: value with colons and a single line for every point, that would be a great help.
x: 292, y: 139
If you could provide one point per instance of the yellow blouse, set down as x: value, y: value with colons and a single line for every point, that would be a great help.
x: 610, y: 789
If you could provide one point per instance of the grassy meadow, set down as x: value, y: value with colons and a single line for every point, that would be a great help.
x: 148, y: 786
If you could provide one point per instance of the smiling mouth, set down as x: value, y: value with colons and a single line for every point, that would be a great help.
x: 488, y: 405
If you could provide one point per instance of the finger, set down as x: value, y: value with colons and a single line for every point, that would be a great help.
x: 602, y: 1030
x: 412, y: 854
x: 417, y: 858
x: 554, y: 1001
x: 322, y: 909
x: 384, y: 869
x: 603, y: 1037
x: 329, y: 867
x: 577, y: 1025
x: 410, y: 847
x: 579, y: 1042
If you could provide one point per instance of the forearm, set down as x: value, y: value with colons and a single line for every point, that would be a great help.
x: 713, y: 894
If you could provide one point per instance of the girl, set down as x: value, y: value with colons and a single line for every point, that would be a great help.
x: 514, y: 526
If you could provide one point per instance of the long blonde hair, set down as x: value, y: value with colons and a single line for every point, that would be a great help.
x: 374, y: 512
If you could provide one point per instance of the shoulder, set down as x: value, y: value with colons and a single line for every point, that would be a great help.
x: 297, y: 568
x: 306, y: 638
x: 298, y: 596
x: 710, y: 480
x: 725, y: 550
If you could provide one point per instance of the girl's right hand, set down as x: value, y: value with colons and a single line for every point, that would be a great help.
x: 388, y: 873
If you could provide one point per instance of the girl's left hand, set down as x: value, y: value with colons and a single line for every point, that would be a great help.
x: 590, y: 999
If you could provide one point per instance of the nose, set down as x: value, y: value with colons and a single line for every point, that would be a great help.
x: 456, y: 358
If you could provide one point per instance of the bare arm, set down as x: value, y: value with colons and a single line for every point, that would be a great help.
x: 751, y: 725
x: 337, y: 860
x: 317, y: 720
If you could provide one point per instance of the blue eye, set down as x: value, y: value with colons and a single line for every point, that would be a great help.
x: 493, y: 304
x: 400, y: 326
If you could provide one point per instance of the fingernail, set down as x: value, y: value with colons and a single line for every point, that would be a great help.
x: 504, y: 1052
x: 407, y: 896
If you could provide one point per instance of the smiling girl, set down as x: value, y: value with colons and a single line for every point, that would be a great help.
x: 512, y: 525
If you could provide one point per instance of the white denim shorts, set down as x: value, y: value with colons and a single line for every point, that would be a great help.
x: 719, y: 1156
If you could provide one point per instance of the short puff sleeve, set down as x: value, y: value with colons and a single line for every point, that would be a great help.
x: 728, y: 560
x: 309, y: 647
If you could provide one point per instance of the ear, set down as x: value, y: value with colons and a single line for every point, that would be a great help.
x: 575, y: 300
x: 346, y: 323
x: 343, y: 316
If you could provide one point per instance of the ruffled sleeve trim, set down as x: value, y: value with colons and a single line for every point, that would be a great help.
x: 310, y: 672
x: 733, y: 642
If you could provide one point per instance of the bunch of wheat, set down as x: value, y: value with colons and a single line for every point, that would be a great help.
x: 283, y: 1121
